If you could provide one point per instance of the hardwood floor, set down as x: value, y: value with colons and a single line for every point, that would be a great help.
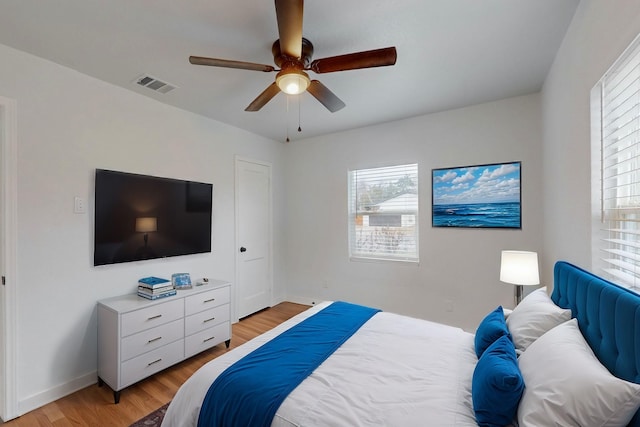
x: 93, y: 406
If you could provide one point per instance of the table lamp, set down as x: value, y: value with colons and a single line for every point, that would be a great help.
x: 146, y: 225
x: 519, y: 268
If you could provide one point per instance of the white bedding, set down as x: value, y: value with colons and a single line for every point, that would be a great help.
x: 395, y: 371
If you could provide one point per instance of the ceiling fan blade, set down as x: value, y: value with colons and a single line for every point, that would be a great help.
x: 289, y: 14
x: 325, y: 96
x: 271, y: 91
x: 353, y: 61
x: 214, y: 62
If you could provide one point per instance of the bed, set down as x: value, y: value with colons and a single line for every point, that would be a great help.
x: 398, y: 370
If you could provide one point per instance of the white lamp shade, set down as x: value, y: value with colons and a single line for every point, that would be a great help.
x: 519, y: 268
x: 146, y: 224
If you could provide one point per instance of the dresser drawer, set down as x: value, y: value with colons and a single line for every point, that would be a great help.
x: 150, y: 317
x: 140, y: 367
x: 203, y: 340
x: 150, y: 339
x: 206, y: 300
x: 206, y: 319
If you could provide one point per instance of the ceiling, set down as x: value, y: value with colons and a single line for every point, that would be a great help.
x: 451, y: 53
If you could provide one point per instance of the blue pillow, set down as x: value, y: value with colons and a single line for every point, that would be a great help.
x: 492, y: 327
x: 497, y: 385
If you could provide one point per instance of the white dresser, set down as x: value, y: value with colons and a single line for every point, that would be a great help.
x: 138, y: 337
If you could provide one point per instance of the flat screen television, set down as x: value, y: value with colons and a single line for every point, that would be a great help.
x: 140, y: 217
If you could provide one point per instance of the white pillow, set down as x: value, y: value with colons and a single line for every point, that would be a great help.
x: 535, y: 315
x: 565, y: 384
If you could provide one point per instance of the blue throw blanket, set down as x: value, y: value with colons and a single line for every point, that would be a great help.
x: 250, y: 391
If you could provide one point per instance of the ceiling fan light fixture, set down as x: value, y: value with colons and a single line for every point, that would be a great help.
x: 293, y: 82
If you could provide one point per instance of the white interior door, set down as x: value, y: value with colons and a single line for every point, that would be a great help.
x: 8, y: 227
x: 2, y: 262
x: 253, y: 231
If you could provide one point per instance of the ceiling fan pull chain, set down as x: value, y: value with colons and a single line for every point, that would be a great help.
x: 299, y: 108
x: 287, y: 117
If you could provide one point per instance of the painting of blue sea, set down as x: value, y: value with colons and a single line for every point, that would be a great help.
x: 483, y: 196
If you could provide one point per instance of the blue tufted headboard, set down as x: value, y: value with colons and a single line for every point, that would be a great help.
x: 609, y: 318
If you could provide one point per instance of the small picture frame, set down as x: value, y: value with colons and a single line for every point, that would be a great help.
x: 181, y: 280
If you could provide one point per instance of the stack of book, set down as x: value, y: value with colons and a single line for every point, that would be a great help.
x: 155, y: 287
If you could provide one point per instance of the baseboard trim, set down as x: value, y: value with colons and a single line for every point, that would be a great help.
x: 304, y: 300
x: 40, y: 399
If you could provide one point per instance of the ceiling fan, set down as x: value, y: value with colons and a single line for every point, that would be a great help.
x: 292, y: 53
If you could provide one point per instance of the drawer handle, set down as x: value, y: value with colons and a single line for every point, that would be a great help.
x: 157, y: 316
x: 208, y: 339
x: 154, y: 362
x: 154, y: 339
x: 209, y: 300
x: 209, y: 320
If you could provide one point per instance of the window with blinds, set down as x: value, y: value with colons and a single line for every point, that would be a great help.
x: 616, y: 129
x: 383, y: 213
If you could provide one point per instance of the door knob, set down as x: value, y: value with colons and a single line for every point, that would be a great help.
x: 243, y: 249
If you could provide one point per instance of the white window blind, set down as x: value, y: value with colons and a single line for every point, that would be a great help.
x: 383, y: 213
x: 616, y: 103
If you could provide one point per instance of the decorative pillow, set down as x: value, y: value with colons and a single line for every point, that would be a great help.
x: 497, y: 384
x: 492, y: 327
x: 567, y: 384
x: 535, y: 315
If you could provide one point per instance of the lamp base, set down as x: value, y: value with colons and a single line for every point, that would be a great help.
x: 517, y: 293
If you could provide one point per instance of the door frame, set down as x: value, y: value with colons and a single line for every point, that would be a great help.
x: 236, y: 299
x: 8, y: 263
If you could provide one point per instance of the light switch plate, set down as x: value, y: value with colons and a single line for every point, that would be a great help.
x: 79, y: 205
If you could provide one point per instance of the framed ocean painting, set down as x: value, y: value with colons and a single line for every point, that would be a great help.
x: 481, y: 196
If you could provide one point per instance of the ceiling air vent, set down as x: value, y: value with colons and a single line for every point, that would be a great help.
x: 155, y: 84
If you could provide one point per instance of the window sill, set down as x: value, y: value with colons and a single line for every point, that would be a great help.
x: 409, y: 262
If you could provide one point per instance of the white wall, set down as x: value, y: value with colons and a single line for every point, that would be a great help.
x: 68, y: 125
x: 599, y: 33
x: 456, y: 265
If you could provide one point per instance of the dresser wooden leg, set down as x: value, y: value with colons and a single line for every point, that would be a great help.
x: 227, y: 343
x: 116, y: 397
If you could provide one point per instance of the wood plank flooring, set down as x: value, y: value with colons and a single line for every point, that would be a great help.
x: 93, y: 406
